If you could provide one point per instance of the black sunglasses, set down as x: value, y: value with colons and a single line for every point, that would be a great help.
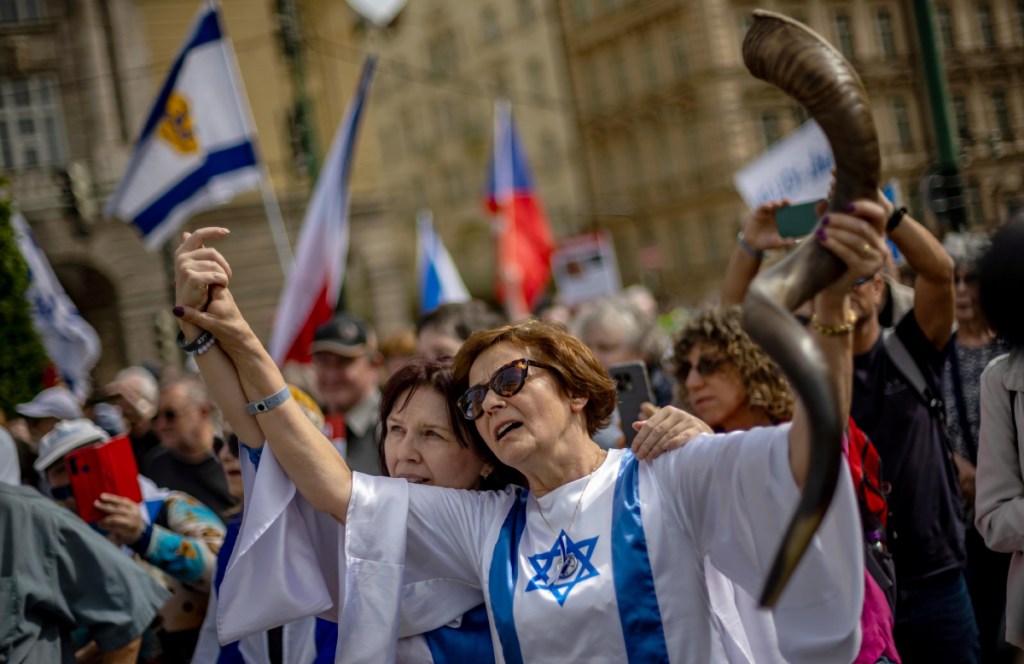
x: 232, y: 442
x: 168, y: 414
x: 706, y: 366
x: 506, y: 382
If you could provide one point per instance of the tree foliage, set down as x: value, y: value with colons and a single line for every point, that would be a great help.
x: 23, y: 359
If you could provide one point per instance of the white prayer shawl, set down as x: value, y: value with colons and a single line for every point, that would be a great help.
x: 292, y: 562
x: 298, y: 641
x: 728, y: 497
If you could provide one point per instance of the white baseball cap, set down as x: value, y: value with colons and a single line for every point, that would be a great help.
x: 65, y: 437
x: 57, y: 402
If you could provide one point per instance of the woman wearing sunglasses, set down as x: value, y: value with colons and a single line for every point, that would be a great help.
x: 725, y: 378
x: 601, y: 559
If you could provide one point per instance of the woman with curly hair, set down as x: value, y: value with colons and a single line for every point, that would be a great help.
x: 725, y: 378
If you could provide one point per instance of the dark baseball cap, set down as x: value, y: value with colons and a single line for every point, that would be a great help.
x: 345, y: 335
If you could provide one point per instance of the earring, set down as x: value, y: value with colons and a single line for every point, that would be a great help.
x: 486, y: 471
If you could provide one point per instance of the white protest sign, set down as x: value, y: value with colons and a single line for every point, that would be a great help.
x: 584, y: 268
x: 798, y: 167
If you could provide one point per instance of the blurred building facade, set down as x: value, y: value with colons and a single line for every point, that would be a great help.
x: 635, y: 114
x: 76, y: 82
x: 443, y: 65
x: 667, y: 114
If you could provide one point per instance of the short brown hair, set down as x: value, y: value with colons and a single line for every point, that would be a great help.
x: 763, y: 379
x: 578, y: 371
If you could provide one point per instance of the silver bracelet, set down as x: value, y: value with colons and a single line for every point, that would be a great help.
x: 747, y: 248
x: 205, y: 346
x: 269, y: 403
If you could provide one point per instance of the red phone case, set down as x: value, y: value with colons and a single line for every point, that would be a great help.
x: 107, y: 467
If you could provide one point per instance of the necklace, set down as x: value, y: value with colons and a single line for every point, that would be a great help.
x: 566, y: 564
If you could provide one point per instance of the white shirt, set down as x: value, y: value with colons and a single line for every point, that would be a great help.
x: 414, y: 557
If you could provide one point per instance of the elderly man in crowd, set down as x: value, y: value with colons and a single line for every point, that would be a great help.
x: 174, y: 534
x: 135, y: 391
x: 347, y: 364
x: 186, y: 459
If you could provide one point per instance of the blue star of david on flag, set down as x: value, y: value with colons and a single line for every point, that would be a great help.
x: 563, y: 566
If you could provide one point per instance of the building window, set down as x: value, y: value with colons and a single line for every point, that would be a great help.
x: 581, y: 11
x: 535, y: 77
x: 945, y: 23
x: 526, y: 12
x: 594, y: 83
x: 985, y: 29
x: 844, y: 34
x: 489, y: 25
x: 901, y: 119
x: 1020, y: 18
x: 666, y: 160
x: 963, y: 119
x: 621, y: 78
x: 445, y: 117
x: 442, y: 52
x: 1002, y: 114
x: 649, y: 63
x: 608, y: 5
x: 885, y: 35
x: 30, y: 123
x: 679, y: 58
x: 21, y: 11
x: 770, y: 127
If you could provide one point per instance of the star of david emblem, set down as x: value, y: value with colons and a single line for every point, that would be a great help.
x: 564, y: 565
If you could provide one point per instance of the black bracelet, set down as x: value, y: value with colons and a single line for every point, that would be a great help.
x: 895, y: 219
x: 191, y: 347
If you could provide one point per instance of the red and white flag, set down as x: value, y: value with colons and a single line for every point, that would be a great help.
x: 311, y: 290
x: 524, y: 237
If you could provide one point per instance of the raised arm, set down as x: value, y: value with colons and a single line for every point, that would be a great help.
x: 319, y: 472
x: 197, y: 269
x: 934, y: 295
x: 862, y: 248
x: 760, y: 233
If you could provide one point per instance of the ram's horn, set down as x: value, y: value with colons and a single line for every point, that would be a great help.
x: 797, y: 60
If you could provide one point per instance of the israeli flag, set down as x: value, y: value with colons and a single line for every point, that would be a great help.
x: 71, y: 343
x: 197, y: 149
x: 440, y: 282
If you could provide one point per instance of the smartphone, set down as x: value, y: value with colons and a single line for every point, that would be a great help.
x: 107, y: 467
x: 633, y: 389
x: 796, y: 220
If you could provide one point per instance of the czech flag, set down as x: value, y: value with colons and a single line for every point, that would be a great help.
x: 524, y: 237
x: 311, y: 291
x: 439, y: 279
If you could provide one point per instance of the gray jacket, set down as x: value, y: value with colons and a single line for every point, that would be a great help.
x: 999, y: 502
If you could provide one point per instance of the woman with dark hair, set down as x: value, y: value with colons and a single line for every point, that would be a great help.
x: 999, y: 505
x: 600, y: 559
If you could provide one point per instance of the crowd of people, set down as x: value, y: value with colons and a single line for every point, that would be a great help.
x: 463, y: 491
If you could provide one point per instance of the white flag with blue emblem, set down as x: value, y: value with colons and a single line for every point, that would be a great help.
x: 440, y: 282
x: 197, y: 149
x: 71, y: 343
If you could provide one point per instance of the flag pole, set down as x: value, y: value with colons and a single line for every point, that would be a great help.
x: 516, y: 307
x: 270, y: 204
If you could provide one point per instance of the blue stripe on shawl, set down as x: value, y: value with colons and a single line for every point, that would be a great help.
x: 469, y: 642
x: 503, y: 575
x: 642, y: 629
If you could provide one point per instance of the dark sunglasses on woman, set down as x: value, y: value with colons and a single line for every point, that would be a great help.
x: 706, y: 366
x: 505, y: 382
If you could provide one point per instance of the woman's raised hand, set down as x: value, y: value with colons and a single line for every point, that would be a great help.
x: 860, y: 245
x: 198, y: 267
x: 664, y: 429
x: 761, y: 231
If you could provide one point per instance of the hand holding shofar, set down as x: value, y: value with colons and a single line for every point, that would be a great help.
x: 802, y: 64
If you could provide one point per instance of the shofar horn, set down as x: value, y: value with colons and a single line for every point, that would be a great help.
x: 802, y: 64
